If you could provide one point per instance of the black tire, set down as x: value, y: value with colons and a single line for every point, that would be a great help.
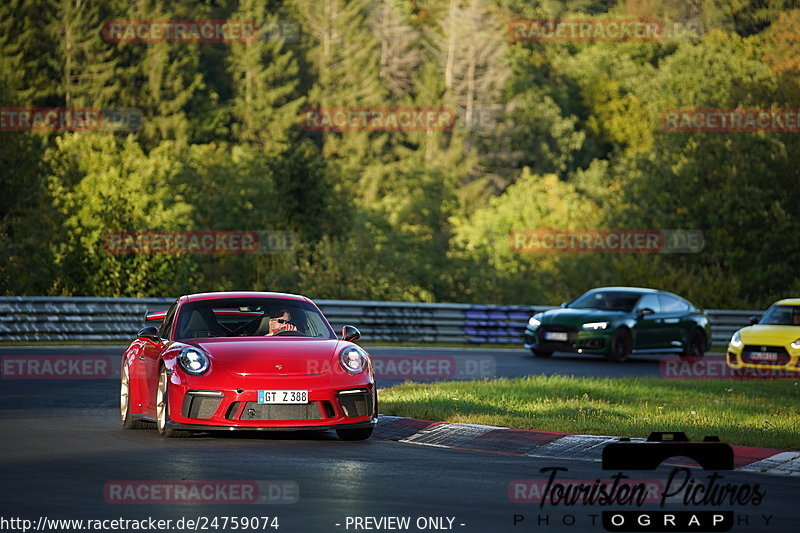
x: 162, y: 410
x: 355, y: 434
x: 696, y: 346
x: 541, y: 353
x: 128, y: 421
x: 621, y: 346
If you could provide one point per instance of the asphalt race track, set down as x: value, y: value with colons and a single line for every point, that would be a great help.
x: 64, y: 452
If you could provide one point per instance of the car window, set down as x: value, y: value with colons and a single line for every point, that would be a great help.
x: 166, y: 326
x: 671, y: 304
x: 782, y: 315
x: 608, y: 300
x: 245, y: 317
x: 649, y: 301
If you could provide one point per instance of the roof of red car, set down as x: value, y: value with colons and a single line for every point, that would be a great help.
x: 240, y: 294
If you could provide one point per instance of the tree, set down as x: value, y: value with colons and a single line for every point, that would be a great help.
x: 101, y: 185
x: 265, y: 82
x: 87, y: 63
x: 162, y: 79
x: 25, y: 216
x: 732, y: 186
x: 469, y: 44
x: 344, y: 60
x: 781, y: 51
x: 400, y: 52
x: 503, y: 274
x: 29, y: 50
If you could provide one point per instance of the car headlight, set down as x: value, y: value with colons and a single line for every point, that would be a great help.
x: 796, y: 344
x: 353, y: 360
x: 193, y: 361
x: 534, y: 322
x: 595, y: 325
x: 736, y: 340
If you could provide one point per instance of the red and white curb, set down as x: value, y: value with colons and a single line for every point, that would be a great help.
x: 554, y: 445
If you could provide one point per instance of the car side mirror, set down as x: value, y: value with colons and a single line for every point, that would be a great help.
x: 563, y: 304
x: 350, y: 333
x: 149, y: 333
x: 646, y: 311
x: 754, y: 320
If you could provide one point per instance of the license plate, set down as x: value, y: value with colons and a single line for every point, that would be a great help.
x: 555, y: 336
x: 764, y: 356
x: 283, y: 396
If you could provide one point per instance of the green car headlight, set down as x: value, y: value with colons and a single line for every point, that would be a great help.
x: 595, y: 325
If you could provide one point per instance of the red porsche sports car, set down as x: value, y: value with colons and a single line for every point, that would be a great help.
x: 247, y: 361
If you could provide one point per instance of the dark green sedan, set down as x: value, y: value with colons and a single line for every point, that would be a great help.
x: 619, y: 321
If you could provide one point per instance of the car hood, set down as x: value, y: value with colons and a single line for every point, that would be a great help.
x: 274, y: 356
x: 577, y: 317
x: 769, y: 335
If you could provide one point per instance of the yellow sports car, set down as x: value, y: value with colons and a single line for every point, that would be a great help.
x: 771, y: 342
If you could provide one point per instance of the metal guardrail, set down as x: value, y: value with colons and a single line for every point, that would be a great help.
x: 78, y: 319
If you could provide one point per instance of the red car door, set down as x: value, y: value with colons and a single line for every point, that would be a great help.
x: 148, y: 364
x: 149, y: 359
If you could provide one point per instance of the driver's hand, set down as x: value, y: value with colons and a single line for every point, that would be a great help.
x: 288, y: 327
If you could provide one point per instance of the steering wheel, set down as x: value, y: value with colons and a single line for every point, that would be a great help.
x: 288, y: 333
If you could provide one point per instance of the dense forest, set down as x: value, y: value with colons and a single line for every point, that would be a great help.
x: 563, y: 134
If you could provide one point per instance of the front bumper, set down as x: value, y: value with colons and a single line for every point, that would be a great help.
x: 206, y: 427
x: 334, y: 401
x: 578, y: 340
x: 787, y: 361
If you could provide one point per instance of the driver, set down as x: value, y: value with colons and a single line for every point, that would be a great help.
x: 280, y: 321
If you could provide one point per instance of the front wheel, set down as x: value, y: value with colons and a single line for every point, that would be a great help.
x: 162, y: 409
x: 621, y: 346
x: 355, y: 434
x: 695, y: 348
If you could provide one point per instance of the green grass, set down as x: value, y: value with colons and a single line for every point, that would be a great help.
x: 752, y: 413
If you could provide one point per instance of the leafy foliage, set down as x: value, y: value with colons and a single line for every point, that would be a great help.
x: 547, y: 136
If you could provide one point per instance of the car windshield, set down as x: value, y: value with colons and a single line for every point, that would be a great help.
x: 782, y: 315
x: 246, y: 317
x: 608, y: 300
